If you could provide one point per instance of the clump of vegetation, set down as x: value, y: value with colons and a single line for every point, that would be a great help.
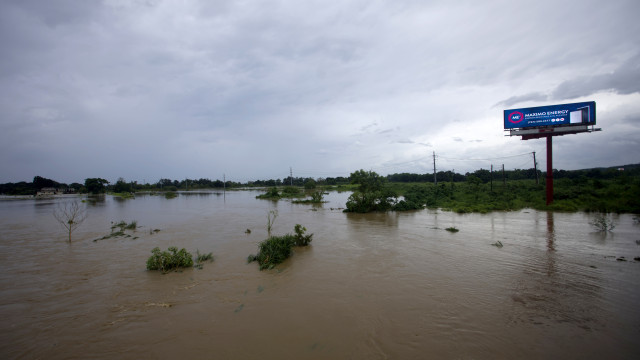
x: 452, y: 229
x: 602, y: 223
x: 372, y: 194
x: 291, y: 191
x: 497, y: 244
x: 118, y: 230
x: 271, y: 194
x: 273, y: 251
x: 124, y: 226
x: 316, y: 198
x: 170, y: 195
x: 271, y: 218
x: 169, y: 260
x: 310, y: 184
x: 277, y: 249
x: 201, y: 258
x: 300, y: 239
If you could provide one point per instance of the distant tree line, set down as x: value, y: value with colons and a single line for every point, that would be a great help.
x: 99, y: 185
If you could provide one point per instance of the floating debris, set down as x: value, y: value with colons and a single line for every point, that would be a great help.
x: 497, y: 244
x: 165, y: 305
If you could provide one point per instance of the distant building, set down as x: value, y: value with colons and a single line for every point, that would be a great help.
x: 48, y: 191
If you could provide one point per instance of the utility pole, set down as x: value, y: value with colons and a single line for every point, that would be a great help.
x: 291, y: 175
x: 504, y: 179
x: 435, y: 179
x: 491, y: 177
x: 535, y: 167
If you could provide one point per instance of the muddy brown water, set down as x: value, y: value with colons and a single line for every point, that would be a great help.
x: 370, y: 286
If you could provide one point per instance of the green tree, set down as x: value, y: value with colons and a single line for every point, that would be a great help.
x: 39, y: 182
x: 95, y: 185
x: 310, y: 184
x: 372, y: 193
x: 122, y: 186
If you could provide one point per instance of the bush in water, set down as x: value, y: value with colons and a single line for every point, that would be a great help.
x: 277, y: 249
x: 169, y: 260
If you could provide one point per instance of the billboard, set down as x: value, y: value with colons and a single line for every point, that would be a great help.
x: 583, y: 113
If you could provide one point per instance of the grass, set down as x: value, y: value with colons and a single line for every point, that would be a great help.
x: 118, y: 230
x: 452, y: 229
x: 201, y: 258
x: 580, y: 194
x: 124, y: 226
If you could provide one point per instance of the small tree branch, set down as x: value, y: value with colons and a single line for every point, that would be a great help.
x: 70, y: 216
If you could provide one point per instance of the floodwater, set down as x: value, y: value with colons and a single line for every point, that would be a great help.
x: 370, y: 286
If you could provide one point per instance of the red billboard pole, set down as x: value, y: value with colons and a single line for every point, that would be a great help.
x: 549, y: 169
x: 549, y: 121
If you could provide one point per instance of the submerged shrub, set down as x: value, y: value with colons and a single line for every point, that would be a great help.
x: 602, y: 222
x: 300, y: 238
x: 169, y: 260
x: 272, y: 193
x: 170, y: 195
x: 203, y: 257
x: 277, y: 249
x: 274, y: 250
x: 291, y: 190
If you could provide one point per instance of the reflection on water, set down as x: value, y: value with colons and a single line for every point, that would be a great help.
x: 371, y: 286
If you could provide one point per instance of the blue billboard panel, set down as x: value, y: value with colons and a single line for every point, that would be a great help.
x: 583, y: 113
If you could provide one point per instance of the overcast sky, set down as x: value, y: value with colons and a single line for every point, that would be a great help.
x: 154, y: 89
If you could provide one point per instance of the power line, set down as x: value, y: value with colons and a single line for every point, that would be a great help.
x: 487, y: 159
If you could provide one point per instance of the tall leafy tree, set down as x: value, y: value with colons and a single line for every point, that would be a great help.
x: 372, y: 193
x: 95, y: 185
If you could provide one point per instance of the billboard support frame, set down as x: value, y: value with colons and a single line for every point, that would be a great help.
x: 547, y: 122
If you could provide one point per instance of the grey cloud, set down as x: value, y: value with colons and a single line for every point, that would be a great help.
x: 55, y: 13
x: 535, y: 96
x: 202, y: 77
x: 624, y: 80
